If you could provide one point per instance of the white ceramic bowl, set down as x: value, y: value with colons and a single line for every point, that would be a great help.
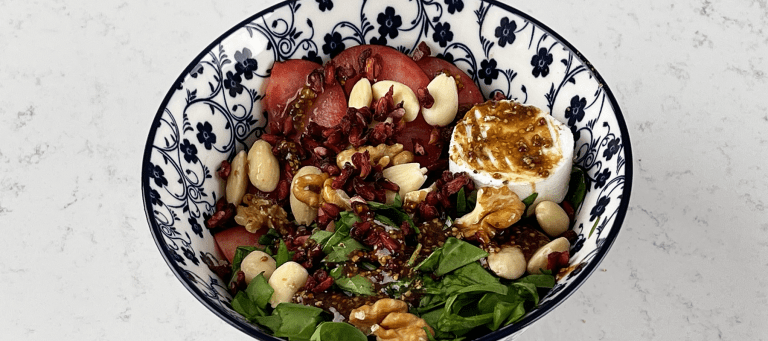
x: 214, y: 110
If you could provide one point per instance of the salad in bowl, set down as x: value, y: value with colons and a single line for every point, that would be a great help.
x: 384, y: 176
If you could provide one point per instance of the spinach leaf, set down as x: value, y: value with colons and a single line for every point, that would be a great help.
x: 242, y: 304
x: 269, y: 237
x: 471, y: 200
x: 294, y: 321
x: 528, y: 201
x: 430, y: 263
x: 340, y: 252
x: 395, y: 213
x: 321, y: 236
x: 540, y: 281
x: 503, y: 311
x: 337, y: 331
x: 385, y: 220
x: 398, y: 202
x: 457, y: 253
x: 357, y: 285
x: 343, y: 226
x: 577, y: 187
x: 461, y: 202
x: 283, y: 255
x: 259, y: 291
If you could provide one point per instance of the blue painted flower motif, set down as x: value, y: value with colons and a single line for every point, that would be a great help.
x: 189, y: 150
x: 576, y: 133
x: 442, y: 34
x: 325, y: 5
x: 205, y: 134
x: 157, y: 173
x: 506, y: 32
x: 448, y: 57
x: 541, y: 62
x: 313, y: 57
x: 245, y: 64
x: 154, y: 198
x: 488, y: 71
x: 233, y: 83
x: 575, y: 112
x: 389, y: 23
x: 190, y: 254
x: 602, y: 177
x: 578, y: 244
x: 196, y: 228
x: 177, y: 258
x: 333, y: 44
x: 612, y: 148
x: 454, y: 5
x: 379, y: 40
x: 599, y: 208
x: 197, y: 70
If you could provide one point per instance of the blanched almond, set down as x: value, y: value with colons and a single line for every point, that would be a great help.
x: 540, y: 260
x: 237, y: 182
x: 263, y: 168
x: 303, y: 213
x: 361, y: 94
x: 443, y: 90
x: 400, y: 93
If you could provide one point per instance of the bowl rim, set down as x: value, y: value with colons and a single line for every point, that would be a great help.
x: 537, y: 314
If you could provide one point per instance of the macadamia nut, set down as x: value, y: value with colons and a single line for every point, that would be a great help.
x: 255, y: 263
x: 508, y: 263
x: 286, y: 281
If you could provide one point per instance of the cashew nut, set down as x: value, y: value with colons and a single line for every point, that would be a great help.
x: 237, y: 182
x: 307, y: 188
x: 286, y: 281
x: 361, y: 94
x: 552, y: 218
x: 263, y: 168
x: 539, y: 260
x: 255, y: 263
x: 443, y: 111
x: 400, y: 93
x: 409, y: 176
x: 508, y: 263
x: 303, y: 213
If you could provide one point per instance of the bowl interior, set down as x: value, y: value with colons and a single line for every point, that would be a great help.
x: 214, y: 110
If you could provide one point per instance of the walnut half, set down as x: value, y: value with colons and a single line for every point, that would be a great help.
x: 402, y: 327
x: 496, y: 209
x: 389, y: 320
x: 382, y: 155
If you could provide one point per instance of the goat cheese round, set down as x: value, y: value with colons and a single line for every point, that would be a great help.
x: 507, y: 143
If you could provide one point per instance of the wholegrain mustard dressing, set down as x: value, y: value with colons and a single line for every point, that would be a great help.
x: 506, y: 139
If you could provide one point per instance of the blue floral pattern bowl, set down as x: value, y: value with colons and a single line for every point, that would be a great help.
x: 214, y: 110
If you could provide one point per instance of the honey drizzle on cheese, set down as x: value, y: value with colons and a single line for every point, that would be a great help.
x: 506, y: 137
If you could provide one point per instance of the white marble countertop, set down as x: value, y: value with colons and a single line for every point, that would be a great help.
x: 82, y: 80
